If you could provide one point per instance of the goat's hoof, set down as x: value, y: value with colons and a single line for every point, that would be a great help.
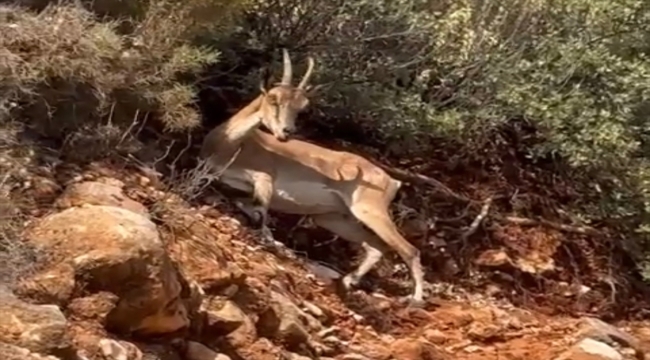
x: 257, y: 218
x: 349, y: 282
x: 266, y: 237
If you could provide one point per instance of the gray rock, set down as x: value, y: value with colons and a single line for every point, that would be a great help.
x: 599, y: 330
x: 597, y: 348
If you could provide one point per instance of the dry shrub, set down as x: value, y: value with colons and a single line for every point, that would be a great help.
x: 83, y: 81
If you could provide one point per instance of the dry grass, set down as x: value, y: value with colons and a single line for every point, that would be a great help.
x: 17, y: 258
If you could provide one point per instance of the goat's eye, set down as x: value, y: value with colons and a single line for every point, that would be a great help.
x: 303, y: 103
x: 272, y: 99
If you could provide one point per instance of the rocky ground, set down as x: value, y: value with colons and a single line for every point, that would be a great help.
x: 126, y: 271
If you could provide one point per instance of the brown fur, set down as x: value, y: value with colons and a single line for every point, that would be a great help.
x: 340, y: 190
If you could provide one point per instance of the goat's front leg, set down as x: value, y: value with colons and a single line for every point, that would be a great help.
x: 258, y: 211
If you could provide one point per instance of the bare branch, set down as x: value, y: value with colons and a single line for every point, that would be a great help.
x: 485, y: 209
x: 420, y: 179
x: 585, y: 230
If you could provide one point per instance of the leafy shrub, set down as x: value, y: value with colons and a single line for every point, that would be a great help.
x: 574, y: 74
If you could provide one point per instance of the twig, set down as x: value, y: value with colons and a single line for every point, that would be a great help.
x: 300, y: 222
x: 164, y: 156
x: 456, y: 218
x: 189, y: 144
x: 585, y: 230
x: 485, y: 209
x: 128, y: 131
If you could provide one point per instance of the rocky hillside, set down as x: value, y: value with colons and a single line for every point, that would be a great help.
x: 534, y: 117
x: 127, y: 271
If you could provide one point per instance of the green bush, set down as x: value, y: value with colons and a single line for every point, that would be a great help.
x: 402, y: 72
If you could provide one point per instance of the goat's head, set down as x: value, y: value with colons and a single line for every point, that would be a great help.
x: 282, y: 103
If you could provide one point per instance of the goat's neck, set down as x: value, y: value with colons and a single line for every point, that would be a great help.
x: 243, y: 123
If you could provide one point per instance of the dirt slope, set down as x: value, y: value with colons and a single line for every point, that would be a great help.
x: 225, y: 293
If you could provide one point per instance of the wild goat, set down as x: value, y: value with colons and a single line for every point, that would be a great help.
x: 339, y: 190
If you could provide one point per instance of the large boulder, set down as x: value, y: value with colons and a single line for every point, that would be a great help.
x: 99, y: 248
x: 198, y: 351
x: 98, y: 193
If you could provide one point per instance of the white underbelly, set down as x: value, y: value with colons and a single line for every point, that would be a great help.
x: 304, y: 198
x: 299, y: 192
x: 293, y: 197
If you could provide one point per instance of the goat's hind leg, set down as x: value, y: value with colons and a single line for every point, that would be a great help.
x: 379, y: 221
x: 349, y: 229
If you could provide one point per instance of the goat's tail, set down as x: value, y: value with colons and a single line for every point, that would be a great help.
x: 419, y: 179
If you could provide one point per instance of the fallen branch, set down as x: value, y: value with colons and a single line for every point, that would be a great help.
x: 485, y: 209
x: 585, y: 230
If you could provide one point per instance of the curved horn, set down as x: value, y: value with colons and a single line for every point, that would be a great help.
x: 310, y: 69
x: 287, y: 74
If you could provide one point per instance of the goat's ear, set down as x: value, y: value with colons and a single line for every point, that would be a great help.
x: 271, y: 98
x: 265, y: 80
x: 312, y: 90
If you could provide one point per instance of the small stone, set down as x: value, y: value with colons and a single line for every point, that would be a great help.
x: 483, y: 332
x: 599, y: 330
x: 435, y: 336
x: 294, y: 356
x: 313, y: 309
x: 472, y: 349
x: 230, y: 321
x: 416, y: 349
x: 590, y: 348
x: 230, y: 291
x: 113, y: 350
x: 333, y: 340
x: 143, y: 180
x: 323, y: 273
x: 354, y: 357
x: 227, y: 319
x: 357, y: 317
x: 198, y: 351
x: 327, y: 332
x: 286, y: 321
